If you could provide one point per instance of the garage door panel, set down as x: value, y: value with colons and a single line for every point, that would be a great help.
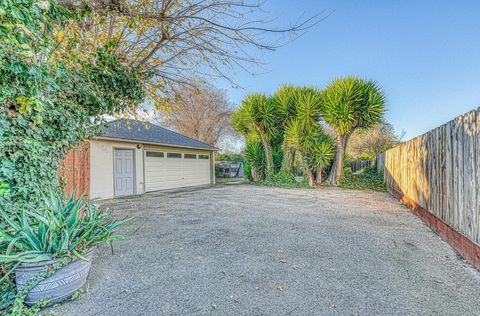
x: 166, y: 173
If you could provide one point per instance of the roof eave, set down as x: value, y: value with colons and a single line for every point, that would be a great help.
x: 154, y: 143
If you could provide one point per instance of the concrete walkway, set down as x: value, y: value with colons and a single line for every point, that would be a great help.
x: 249, y: 250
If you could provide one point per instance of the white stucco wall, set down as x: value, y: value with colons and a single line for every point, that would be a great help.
x: 101, y: 165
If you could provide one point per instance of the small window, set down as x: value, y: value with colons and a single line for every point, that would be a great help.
x: 154, y: 154
x: 174, y: 155
x: 202, y: 156
x: 189, y: 156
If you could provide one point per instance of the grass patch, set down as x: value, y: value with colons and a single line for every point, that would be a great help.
x: 368, y: 179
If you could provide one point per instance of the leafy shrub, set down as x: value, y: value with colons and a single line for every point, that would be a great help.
x: 255, y: 157
x: 368, y: 179
x: 247, y: 171
x: 283, y: 180
x: 52, y: 98
x: 231, y: 157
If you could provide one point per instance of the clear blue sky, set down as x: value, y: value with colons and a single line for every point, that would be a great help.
x: 425, y: 55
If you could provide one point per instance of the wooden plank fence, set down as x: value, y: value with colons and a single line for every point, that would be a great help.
x: 440, y: 172
x: 75, y: 170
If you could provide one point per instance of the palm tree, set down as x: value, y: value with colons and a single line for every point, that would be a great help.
x: 315, y: 147
x: 350, y: 103
x: 303, y: 103
x: 258, y: 113
x: 285, y: 102
x: 255, y: 156
x: 305, y: 134
x: 322, y: 155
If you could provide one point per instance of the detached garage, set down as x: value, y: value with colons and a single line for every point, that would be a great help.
x: 133, y: 158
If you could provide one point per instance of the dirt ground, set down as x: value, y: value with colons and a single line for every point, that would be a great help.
x: 251, y: 250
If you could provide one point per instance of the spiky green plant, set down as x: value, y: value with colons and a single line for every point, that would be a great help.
x: 63, y: 228
x: 350, y: 103
x: 317, y: 148
x: 255, y: 157
x: 309, y: 106
x: 258, y: 113
x: 284, y: 100
x: 293, y: 103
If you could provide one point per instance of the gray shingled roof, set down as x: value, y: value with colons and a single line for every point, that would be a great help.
x: 140, y: 132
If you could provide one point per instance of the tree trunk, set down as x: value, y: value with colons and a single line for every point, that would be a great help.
x: 287, y: 160
x: 254, y: 173
x: 267, y: 149
x: 268, y: 158
x: 337, y: 168
x: 291, y: 162
x: 318, y: 179
x: 311, y: 177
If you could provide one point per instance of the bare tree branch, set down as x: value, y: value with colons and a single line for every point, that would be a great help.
x: 202, y: 113
x: 177, y: 40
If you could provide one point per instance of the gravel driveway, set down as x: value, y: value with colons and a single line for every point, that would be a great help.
x: 250, y: 250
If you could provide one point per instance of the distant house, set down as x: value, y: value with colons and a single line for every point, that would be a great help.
x: 227, y: 169
x: 133, y: 158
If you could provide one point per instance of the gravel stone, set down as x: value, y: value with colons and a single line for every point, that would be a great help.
x: 252, y: 250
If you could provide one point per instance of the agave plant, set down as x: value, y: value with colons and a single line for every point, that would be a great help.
x: 63, y: 228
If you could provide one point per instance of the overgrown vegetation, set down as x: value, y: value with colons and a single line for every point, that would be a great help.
x: 65, y: 65
x: 284, y: 180
x: 39, y: 122
x: 304, y: 130
x: 368, y: 179
x: 230, y: 157
x: 51, y: 99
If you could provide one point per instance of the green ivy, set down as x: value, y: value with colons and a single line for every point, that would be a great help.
x: 49, y: 106
x: 368, y: 179
x: 284, y: 180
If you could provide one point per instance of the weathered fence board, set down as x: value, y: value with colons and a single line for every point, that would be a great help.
x: 75, y: 170
x: 440, y: 171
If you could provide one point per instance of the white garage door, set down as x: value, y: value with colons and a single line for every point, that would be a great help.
x: 168, y: 170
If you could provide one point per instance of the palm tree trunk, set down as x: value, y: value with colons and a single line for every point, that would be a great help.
x: 254, y: 173
x: 337, y: 168
x: 318, y: 179
x: 311, y: 177
x: 268, y: 152
x: 268, y: 158
x: 291, y: 161
x: 287, y: 160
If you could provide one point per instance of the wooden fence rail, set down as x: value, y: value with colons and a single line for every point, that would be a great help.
x: 439, y: 171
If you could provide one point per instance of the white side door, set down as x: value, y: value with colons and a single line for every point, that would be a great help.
x: 123, y: 172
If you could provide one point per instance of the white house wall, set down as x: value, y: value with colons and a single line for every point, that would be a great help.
x: 101, y: 165
x: 101, y: 168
